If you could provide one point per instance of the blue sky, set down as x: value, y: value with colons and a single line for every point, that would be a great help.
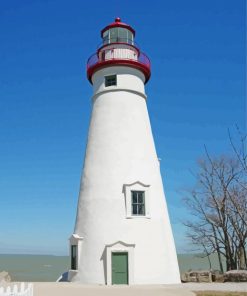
x: 196, y: 92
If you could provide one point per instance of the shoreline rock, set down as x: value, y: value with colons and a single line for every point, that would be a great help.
x: 199, y: 276
x: 5, y: 277
x: 235, y: 276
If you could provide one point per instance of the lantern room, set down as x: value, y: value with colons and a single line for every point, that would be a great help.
x: 118, y: 32
x: 118, y: 48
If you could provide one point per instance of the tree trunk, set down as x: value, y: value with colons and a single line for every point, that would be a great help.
x: 230, y: 260
x: 242, y: 261
x: 218, y: 249
x: 220, y: 261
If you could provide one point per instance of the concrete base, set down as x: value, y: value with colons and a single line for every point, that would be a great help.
x: 74, y: 289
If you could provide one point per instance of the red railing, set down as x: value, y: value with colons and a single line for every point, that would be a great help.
x: 119, y: 56
x: 95, y: 59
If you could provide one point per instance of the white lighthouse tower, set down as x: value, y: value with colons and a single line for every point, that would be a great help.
x: 122, y: 232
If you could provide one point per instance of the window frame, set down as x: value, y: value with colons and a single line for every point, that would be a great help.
x: 74, y: 257
x: 137, y: 203
x: 77, y: 241
x: 127, y: 191
x: 111, y: 80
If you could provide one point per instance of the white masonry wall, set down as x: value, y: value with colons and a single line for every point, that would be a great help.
x: 121, y: 155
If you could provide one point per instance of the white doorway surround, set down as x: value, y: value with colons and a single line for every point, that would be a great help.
x: 120, y: 247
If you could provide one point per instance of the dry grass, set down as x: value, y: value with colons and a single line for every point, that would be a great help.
x: 217, y: 293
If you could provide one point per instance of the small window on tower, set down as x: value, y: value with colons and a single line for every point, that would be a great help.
x: 74, y: 257
x: 110, y: 80
x: 138, y: 203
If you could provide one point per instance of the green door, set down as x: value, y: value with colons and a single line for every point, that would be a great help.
x: 120, y: 269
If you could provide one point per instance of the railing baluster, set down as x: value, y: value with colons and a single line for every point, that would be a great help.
x: 13, y: 291
x: 118, y: 53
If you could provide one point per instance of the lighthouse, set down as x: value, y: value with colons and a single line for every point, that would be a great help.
x: 122, y: 231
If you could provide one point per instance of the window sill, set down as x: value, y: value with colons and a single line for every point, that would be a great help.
x: 138, y: 217
x: 110, y: 86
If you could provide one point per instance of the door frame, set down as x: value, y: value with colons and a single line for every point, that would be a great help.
x: 127, y: 254
x: 120, y: 247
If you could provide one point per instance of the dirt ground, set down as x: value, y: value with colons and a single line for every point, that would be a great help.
x: 217, y: 293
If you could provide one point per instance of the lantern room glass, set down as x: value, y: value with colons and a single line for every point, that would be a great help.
x: 118, y: 35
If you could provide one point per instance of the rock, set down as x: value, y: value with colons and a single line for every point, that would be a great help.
x: 198, y: 276
x: 235, y: 276
x: 217, y: 276
x: 5, y: 277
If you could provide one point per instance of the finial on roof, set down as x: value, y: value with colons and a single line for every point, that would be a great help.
x: 117, y: 20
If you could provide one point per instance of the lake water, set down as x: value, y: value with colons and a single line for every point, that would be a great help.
x: 48, y: 268
x: 34, y: 267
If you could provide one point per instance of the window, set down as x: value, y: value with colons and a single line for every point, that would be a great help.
x: 74, y: 257
x: 122, y: 35
x: 118, y: 34
x: 113, y: 35
x: 138, y: 203
x: 110, y: 80
x: 130, y: 38
x: 137, y: 200
x: 106, y: 37
x: 75, y: 247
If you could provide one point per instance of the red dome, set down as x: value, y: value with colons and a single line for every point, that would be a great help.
x: 118, y: 23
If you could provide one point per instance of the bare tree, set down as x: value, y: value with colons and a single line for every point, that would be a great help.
x: 239, y: 197
x: 218, y: 203
x: 240, y: 149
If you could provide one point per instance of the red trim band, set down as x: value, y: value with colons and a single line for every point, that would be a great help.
x: 145, y: 69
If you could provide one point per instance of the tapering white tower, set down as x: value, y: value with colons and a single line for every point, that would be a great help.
x: 122, y: 232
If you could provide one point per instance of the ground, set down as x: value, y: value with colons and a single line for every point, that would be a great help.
x: 217, y: 293
x: 189, y: 289
x: 73, y: 289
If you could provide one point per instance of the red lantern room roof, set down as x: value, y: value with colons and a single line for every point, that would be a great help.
x: 117, y: 23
